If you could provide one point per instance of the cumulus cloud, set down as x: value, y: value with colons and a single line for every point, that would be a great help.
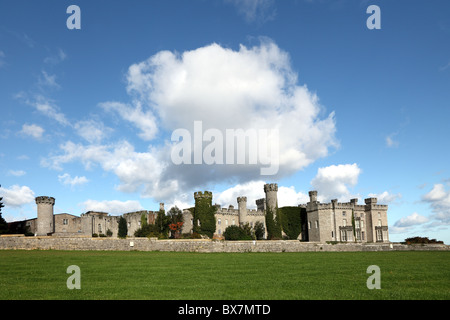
x: 246, y: 89
x: 439, y: 200
x: 113, y: 207
x: 17, y: 196
x: 333, y: 181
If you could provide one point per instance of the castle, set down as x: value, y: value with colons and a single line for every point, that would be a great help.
x: 320, y: 222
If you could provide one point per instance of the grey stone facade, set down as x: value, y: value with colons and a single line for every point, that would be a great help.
x: 325, y: 222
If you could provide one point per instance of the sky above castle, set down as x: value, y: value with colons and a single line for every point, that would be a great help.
x: 92, y: 116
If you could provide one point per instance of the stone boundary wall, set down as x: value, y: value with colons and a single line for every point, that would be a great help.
x: 144, y: 244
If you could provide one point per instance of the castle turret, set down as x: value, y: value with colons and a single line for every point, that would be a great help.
x: 242, y: 207
x: 313, y: 196
x: 271, y: 191
x: 45, y: 221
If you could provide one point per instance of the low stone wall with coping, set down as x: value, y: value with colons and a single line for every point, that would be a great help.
x: 186, y: 245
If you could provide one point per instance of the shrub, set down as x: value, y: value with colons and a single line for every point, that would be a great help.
x: 236, y: 233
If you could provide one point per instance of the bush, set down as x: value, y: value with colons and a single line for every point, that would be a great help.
x: 236, y: 233
x: 123, y: 228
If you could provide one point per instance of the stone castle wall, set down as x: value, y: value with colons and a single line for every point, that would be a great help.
x: 144, y: 244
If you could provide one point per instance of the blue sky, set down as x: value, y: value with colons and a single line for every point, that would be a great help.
x: 87, y: 115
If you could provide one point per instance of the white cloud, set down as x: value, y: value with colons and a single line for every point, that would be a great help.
x: 137, y: 171
x: 56, y: 58
x: 253, y: 190
x: 113, y: 207
x: 17, y: 196
x: 439, y: 199
x: 48, y: 80
x: 252, y: 88
x: 32, y: 130
x: 411, y: 220
x: 259, y: 11
x: 385, y: 197
x: 66, y: 179
x: 249, y: 88
x: 144, y: 121
x: 17, y: 173
x: 333, y: 181
x: 390, y: 142
x: 92, y: 130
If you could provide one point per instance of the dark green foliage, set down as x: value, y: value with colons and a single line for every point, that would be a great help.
x: 259, y: 230
x: 148, y: 230
x: 3, y: 223
x: 204, y: 216
x: 237, y: 233
x: 162, y: 224
x: 422, y: 240
x: 273, y: 225
x: 175, y: 214
x: 291, y: 221
x: 123, y: 228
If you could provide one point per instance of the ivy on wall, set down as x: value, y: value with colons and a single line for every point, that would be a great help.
x: 290, y: 221
x: 204, y: 216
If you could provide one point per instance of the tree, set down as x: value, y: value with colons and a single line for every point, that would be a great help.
x: 3, y: 223
x: 162, y: 224
x: 123, y: 228
x: 259, y: 230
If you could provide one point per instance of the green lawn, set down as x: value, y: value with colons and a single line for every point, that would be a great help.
x: 172, y: 275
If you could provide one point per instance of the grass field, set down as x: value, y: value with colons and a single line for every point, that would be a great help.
x: 235, y: 276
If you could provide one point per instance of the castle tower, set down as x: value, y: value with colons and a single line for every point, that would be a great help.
x: 271, y: 197
x: 45, y: 224
x: 261, y: 204
x: 313, y: 196
x: 242, y: 207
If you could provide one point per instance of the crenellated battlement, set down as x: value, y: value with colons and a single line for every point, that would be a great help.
x: 45, y: 200
x: 203, y: 195
x: 242, y: 199
x: 270, y: 187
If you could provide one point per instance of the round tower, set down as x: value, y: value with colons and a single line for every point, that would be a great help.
x: 45, y: 220
x: 271, y: 196
x: 242, y: 207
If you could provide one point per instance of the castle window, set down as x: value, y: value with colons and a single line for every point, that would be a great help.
x: 65, y: 221
x: 317, y: 224
x: 362, y: 235
x: 379, y: 222
x: 332, y: 234
x: 99, y: 228
x: 233, y: 222
x: 309, y: 224
x: 343, y: 213
x: 344, y: 222
x: 357, y: 224
x: 362, y: 224
x: 219, y: 222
